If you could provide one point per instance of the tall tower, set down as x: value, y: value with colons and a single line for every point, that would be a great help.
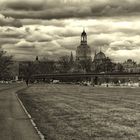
x: 84, y: 38
x: 83, y: 51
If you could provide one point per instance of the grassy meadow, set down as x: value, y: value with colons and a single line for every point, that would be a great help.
x: 74, y: 112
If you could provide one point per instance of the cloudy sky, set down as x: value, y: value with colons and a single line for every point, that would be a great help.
x: 52, y: 28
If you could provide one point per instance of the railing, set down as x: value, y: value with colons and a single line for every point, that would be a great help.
x: 65, y: 75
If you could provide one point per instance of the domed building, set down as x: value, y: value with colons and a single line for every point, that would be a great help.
x: 84, y: 62
x: 101, y: 63
x: 83, y: 51
x: 99, y: 56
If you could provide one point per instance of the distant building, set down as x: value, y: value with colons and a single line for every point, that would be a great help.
x: 83, y: 55
x: 131, y: 66
x: 99, y: 58
x: 83, y: 63
x: 101, y: 63
x: 83, y: 51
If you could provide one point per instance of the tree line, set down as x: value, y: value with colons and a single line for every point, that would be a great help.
x: 64, y: 64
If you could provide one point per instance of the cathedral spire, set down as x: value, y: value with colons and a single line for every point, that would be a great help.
x: 71, y: 58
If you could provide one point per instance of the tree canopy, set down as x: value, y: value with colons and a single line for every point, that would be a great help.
x: 5, y: 62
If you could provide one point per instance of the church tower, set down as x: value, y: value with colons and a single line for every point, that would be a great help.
x: 83, y: 51
x: 84, y: 38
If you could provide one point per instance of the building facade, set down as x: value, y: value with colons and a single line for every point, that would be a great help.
x: 83, y: 51
x: 131, y: 66
x: 83, y: 55
x: 101, y: 63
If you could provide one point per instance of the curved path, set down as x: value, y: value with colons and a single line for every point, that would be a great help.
x: 14, y: 123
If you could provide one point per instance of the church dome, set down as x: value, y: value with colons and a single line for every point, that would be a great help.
x: 100, y: 55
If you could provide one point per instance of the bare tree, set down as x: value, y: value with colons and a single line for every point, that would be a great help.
x: 64, y: 62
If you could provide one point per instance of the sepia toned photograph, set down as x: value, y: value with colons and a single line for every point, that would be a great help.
x: 69, y: 69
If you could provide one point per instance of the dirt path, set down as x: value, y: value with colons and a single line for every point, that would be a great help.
x: 14, y: 123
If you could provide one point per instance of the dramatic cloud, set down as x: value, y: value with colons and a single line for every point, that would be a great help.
x: 57, y: 9
x: 24, y: 4
x: 52, y: 28
x: 8, y: 21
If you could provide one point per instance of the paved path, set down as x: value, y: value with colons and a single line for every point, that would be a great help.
x: 14, y: 123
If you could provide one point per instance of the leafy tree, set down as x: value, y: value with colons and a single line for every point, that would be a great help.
x: 26, y: 70
x: 5, y: 62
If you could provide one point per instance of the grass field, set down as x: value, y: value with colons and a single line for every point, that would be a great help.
x: 73, y: 112
x: 7, y: 86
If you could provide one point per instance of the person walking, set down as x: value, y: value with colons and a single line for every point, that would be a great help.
x: 27, y: 82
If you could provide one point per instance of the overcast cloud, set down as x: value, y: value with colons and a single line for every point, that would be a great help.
x: 52, y: 28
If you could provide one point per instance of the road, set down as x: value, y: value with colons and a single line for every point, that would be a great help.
x: 14, y: 123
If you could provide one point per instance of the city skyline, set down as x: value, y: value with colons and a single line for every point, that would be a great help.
x: 47, y: 28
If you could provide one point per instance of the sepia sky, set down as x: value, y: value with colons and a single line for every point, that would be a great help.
x: 52, y: 28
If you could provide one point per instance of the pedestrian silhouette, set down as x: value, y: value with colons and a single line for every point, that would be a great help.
x: 27, y: 82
